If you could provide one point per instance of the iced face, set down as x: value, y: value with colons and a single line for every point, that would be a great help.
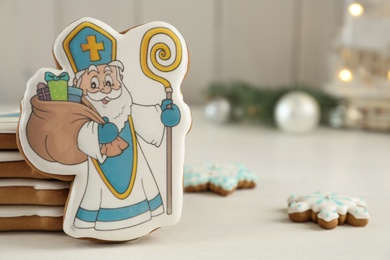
x: 101, y: 83
x: 103, y: 87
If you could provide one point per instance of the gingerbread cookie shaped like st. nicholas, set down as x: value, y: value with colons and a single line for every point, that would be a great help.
x: 114, y: 117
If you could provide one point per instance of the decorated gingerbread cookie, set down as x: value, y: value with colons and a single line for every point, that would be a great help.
x: 328, y: 210
x: 20, y: 191
x: 8, y: 124
x: 221, y: 178
x: 13, y: 165
x: 113, y: 116
x: 31, y: 217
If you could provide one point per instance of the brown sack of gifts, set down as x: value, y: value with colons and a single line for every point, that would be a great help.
x: 53, y: 128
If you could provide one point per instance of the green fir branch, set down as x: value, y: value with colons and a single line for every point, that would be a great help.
x: 258, y: 103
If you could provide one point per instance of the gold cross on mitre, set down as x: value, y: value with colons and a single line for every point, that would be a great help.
x: 93, y: 47
x: 88, y: 44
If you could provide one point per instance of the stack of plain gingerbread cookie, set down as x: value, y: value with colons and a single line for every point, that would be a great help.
x: 28, y: 199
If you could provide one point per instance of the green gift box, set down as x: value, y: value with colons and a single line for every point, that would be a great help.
x: 58, y: 85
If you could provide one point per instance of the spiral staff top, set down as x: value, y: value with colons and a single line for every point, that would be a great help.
x: 162, y: 51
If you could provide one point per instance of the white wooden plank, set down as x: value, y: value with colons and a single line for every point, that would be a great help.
x: 256, y: 42
x: 320, y: 22
x: 119, y: 14
x: 27, y: 37
x: 252, y: 40
x: 195, y: 21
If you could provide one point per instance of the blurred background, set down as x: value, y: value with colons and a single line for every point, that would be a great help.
x: 338, y: 49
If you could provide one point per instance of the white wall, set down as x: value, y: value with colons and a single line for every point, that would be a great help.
x: 265, y: 42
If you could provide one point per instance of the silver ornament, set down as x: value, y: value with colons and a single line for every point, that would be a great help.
x: 218, y: 110
x: 297, y: 112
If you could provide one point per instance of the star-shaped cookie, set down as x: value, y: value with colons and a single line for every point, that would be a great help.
x: 328, y: 209
x: 221, y: 178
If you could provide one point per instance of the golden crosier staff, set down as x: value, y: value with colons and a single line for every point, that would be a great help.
x: 163, y: 51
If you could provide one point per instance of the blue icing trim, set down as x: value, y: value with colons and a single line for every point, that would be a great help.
x: 191, y: 179
x: 244, y: 174
x: 227, y: 183
x: 10, y: 115
x: 155, y: 202
x: 87, y: 215
x: 338, y: 202
x: 117, y: 214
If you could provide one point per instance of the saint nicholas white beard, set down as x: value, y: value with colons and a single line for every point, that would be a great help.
x: 116, y: 110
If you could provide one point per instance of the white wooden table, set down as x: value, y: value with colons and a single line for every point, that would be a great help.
x: 253, y: 224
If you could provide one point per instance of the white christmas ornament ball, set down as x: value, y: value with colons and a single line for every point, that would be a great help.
x: 218, y: 110
x: 297, y: 112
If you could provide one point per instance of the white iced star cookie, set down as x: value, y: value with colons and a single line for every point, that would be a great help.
x: 222, y: 179
x: 328, y: 209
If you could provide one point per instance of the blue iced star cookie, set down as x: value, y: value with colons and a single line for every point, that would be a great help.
x: 220, y: 178
x: 328, y: 209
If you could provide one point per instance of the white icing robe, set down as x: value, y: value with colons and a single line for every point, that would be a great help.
x: 100, y: 208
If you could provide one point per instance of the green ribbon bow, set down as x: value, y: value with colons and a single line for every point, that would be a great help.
x: 50, y: 76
